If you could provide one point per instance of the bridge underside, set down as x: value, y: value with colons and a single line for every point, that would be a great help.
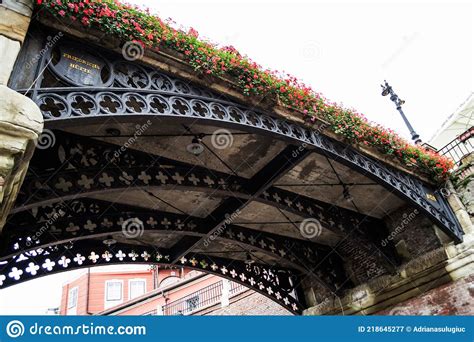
x: 272, y: 205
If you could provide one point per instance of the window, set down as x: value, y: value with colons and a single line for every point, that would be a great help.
x: 137, y: 287
x: 72, y: 298
x: 113, y: 293
x: 72, y: 301
x: 192, y: 303
x: 114, y: 290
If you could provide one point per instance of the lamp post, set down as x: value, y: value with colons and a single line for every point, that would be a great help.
x: 388, y: 90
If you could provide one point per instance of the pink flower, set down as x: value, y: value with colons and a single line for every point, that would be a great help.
x: 62, y: 13
x: 192, y: 32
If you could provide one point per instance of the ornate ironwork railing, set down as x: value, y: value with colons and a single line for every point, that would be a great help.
x: 200, y: 299
x: 236, y: 288
x: 460, y: 147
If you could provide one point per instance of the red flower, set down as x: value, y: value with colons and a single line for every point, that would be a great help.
x: 209, y: 59
x: 193, y: 33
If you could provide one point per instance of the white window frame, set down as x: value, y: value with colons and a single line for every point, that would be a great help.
x: 111, y: 303
x: 130, y: 287
x: 72, y: 309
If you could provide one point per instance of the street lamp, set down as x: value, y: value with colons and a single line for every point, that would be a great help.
x: 388, y: 90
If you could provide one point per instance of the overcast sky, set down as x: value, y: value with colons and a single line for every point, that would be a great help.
x: 343, y: 50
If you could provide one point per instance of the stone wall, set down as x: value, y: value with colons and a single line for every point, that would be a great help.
x: 363, y: 261
x: 455, y: 298
x: 412, y: 233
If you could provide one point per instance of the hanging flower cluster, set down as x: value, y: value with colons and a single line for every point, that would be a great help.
x: 132, y: 24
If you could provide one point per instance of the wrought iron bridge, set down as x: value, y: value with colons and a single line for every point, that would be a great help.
x: 281, y: 209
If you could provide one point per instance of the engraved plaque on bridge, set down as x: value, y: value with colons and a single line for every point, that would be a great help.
x: 79, y: 67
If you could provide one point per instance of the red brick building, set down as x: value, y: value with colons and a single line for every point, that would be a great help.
x: 153, y: 291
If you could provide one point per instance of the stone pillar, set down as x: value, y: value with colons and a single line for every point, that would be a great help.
x: 15, y: 16
x: 21, y: 121
x: 464, y: 183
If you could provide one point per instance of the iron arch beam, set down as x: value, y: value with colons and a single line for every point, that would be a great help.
x: 280, y: 285
x: 79, y: 167
x: 333, y: 218
x: 65, y: 226
x: 221, y: 113
x: 134, y: 89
